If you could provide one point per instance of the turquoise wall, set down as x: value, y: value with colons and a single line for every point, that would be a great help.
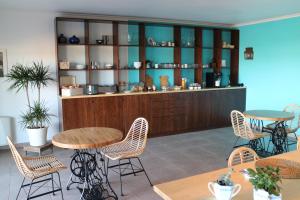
x: 273, y: 76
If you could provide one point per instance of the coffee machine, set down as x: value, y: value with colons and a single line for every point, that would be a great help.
x: 213, y: 79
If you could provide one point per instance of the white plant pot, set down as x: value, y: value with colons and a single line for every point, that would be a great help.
x: 37, y: 136
x: 263, y: 195
x: 223, y: 192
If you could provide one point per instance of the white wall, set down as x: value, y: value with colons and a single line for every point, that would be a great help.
x: 28, y: 36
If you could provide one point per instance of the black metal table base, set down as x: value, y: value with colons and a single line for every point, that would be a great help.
x: 278, y: 136
x: 90, y: 176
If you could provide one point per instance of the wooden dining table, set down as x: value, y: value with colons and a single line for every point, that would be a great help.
x: 196, y: 187
x: 86, y: 172
x: 278, y: 133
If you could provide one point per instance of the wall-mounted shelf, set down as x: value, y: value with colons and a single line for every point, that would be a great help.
x: 128, y: 43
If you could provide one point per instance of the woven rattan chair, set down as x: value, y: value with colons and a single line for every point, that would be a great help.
x: 131, y: 147
x: 292, y: 125
x: 242, y: 155
x: 242, y: 129
x: 35, y: 168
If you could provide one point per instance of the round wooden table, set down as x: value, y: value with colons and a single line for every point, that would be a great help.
x: 269, y: 115
x: 86, y: 172
x: 278, y: 133
x: 87, y: 138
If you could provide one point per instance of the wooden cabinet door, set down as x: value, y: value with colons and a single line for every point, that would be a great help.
x: 108, y: 112
x: 78, y: 113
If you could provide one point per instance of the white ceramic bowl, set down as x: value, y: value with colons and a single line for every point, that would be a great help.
x: 137, y: 65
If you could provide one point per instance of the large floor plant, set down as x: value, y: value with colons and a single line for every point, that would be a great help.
x: 37, y: 116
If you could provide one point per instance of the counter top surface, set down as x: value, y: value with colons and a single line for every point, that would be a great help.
x: 156, y: 92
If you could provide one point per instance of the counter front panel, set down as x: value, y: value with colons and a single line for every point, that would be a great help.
x: 167, y: 113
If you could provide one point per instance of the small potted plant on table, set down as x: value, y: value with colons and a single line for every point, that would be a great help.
x: 37, y: 117
x: 265, y: 181
x: 224, y: 188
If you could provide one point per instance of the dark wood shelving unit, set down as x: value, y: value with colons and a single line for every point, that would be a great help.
x: 142, y: 45
x: 74, y: 69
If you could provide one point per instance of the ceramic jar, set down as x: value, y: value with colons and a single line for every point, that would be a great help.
x: 74, y: 40
x: 62, y: 39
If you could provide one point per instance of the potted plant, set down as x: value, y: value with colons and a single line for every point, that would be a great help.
x: 224, y: 188
x: 266, y: 183
x: 37, y: 116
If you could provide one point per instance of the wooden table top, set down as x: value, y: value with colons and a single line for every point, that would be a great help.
x: 195, y: 187
x: 269, y: 115
x: 87, y: 138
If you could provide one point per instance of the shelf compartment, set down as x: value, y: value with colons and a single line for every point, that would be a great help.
x: 99, y: 29
x: 128, y: 34
x: 149, y: 46
x: 128, y: 68
x: 102, y: 45
x: 187, y: 37
x: 73, y: 69
x: 129, y: 45
x: 68, y: 44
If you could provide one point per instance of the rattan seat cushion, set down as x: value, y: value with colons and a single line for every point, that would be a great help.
x: 44, y: 165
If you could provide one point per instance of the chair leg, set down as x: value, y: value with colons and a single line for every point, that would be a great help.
x: 52, y: 182
x: 129, y: 159
x: 28, y: 194
x: 120, y: 173
x: 62, y: 195
x: 107, y: 165
x: 144, y: 170
x: 69, y: 182
x: 20, y: 189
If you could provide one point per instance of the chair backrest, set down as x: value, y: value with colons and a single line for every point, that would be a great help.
x: 242, y: 155
x: 293, y: 124
x: 137, y: 134
x: 23, y: 168
x: 240, y: 127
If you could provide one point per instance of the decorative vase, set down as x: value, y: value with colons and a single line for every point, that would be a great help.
x: 222, y: 192
x: 74, y: 40
x: 264, y: 195
x: 62, y: 39
x: 37, y: 136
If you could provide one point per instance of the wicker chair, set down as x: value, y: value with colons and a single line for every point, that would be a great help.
x: 242, y: 155
x: 34, y: 168
x: 292, y: 125
x: 242, y: 129
x: 131, y: 147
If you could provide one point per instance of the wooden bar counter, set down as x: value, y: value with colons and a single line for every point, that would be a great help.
x: 168, y: 112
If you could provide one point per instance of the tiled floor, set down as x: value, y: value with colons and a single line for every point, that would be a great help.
x: 165, y: 158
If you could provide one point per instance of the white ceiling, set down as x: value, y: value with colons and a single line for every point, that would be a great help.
x: 216, y: 11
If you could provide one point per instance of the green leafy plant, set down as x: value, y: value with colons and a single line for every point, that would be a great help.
x: 266, y: 178
x: 35, y: 76
x: 20, y: 76
x: 225, y: 179
x: 40, y: 77
x: 36, y: 117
